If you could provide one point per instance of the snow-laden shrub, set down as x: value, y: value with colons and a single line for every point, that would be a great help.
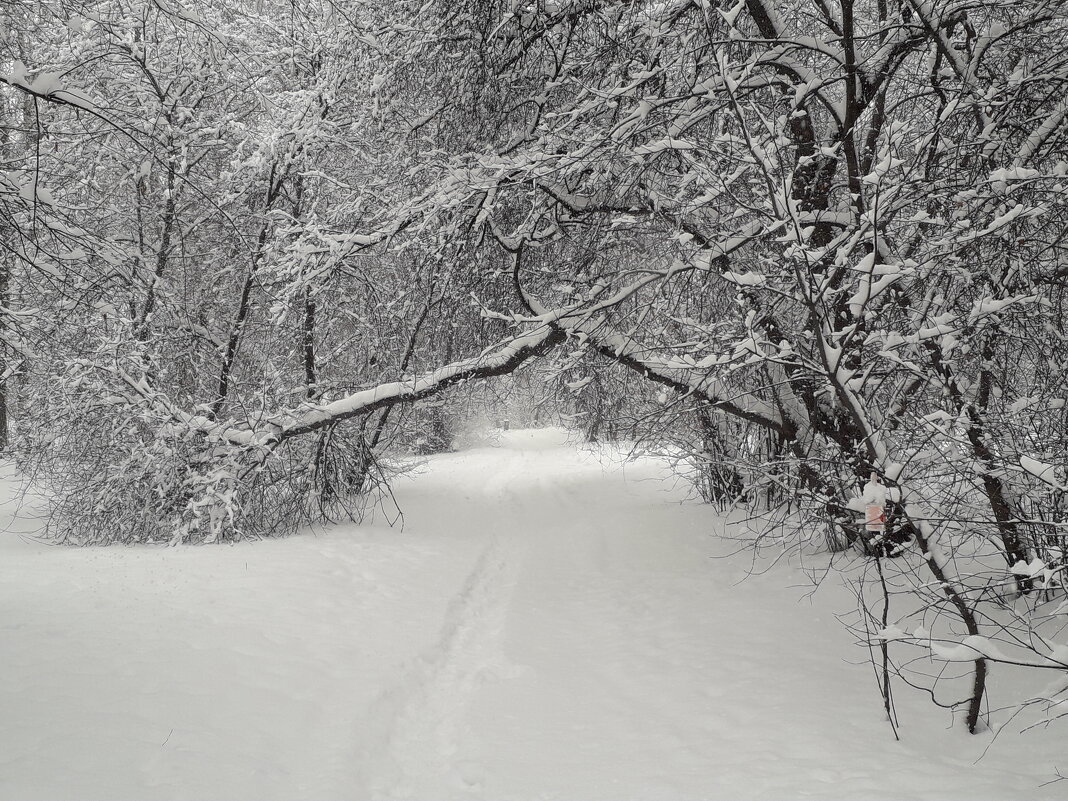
x: 121, y: 463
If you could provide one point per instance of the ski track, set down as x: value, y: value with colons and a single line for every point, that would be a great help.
x: 440, y: 729
x: 420, y: 755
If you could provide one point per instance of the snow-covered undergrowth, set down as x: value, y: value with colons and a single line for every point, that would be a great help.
x: 546, y: 626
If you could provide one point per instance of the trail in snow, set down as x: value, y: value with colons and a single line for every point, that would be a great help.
x: 418, y: 758
x: 548, y: 627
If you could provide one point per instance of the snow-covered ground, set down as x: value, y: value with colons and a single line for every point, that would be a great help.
x: 546, y: 627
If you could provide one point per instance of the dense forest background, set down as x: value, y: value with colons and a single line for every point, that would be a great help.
x: 812, y: 250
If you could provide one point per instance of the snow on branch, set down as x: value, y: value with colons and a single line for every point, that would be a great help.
x: 46, y: 87
x: 588, y: 323
x: 1045, y: 473
x: 266, y: 433
x: 686, y: 379
x: 491, y: 362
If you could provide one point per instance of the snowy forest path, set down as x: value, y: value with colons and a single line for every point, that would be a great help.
x: 426, y: 710
x: 597, y: 650
x: 558, y: 629
x: 548, y: 626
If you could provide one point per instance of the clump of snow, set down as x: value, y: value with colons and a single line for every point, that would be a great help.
x: 1040, y: 470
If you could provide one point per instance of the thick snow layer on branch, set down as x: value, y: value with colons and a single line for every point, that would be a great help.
x: 661, y: 145
x: 746, y: 279
x: 891, y: 632
x: 489, y: 363
x: 682, y: 376
x: 1043, y: 472
x: 1040, y: 136
x: 1012, y: 174
x: 46, y: 86
x: 970, y: 648
x: 1035, y: 568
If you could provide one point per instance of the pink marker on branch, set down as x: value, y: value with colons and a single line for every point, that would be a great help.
x: 875, y: 505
